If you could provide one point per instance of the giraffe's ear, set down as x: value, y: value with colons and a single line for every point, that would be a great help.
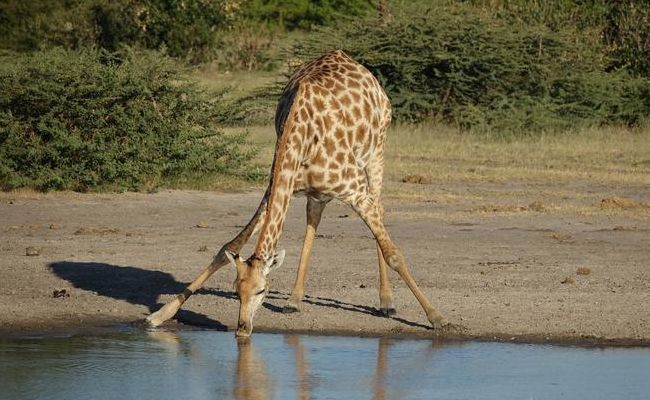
x: 274, y: 262
x: 232, y: 257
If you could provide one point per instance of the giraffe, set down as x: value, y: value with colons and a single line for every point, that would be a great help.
x: 331, y: 123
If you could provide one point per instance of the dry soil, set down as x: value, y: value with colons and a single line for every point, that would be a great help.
x: 523, y: 262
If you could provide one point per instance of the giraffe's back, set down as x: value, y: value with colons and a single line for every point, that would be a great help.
x: 340, y: 115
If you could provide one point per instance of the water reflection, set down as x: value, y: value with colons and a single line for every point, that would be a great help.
x: 302, y: 366
x: 381, y: 369
x: 212, y: 365
x: 251, y: 379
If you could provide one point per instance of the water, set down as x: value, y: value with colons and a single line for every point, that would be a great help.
x: 213, y: 365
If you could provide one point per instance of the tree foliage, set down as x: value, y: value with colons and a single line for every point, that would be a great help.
x: 304, y: 14
x: 185, y: 29
x: 458, y: 64
x: 83, y: 119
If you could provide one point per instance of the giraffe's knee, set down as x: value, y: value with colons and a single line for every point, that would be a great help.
x: 394, y: 259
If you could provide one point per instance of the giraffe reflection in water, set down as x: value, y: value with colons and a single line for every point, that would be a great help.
x: 302, y: 366
x: 251, y: 377
x: 252, y: 380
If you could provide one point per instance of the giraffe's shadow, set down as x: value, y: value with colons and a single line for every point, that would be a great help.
x: 141, y: 286
x: 134, y: 285
x: 320, y: 301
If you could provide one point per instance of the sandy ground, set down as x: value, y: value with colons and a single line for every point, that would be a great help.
x: 524, y: 262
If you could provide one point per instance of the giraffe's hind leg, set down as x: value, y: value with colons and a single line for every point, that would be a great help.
x: 314, y: 213
x: 374, y: 173
x: 370, y: 212
x: 386, y: 305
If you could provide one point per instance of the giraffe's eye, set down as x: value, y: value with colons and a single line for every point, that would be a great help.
x: 260, y: 292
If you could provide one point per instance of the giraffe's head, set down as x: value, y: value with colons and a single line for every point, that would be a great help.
x: 251, y: 286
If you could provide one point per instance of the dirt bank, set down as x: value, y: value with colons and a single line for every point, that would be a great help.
x: 530, y: 262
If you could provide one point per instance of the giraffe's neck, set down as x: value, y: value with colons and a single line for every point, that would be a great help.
x: 271, y: 230
x: 285, y: 164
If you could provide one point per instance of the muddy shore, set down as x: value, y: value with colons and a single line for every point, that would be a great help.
x: 518, y: 263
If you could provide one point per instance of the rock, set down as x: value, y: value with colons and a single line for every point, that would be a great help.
x: 32, y: 251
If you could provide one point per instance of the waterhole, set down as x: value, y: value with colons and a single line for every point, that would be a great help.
x: 213, y: 365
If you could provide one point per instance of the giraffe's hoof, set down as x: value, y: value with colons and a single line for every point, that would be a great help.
x: 155, y: 319
x: 289, y: 308
x: 438, y: 322
x: 387, y: 311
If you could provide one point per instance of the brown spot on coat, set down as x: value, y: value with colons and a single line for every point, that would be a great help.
x: 361, y: 132
x: 375, y: 122
x: 356, y: 111
x: 318, y: 159
x: 319, y: 104
x: 355, y: 75
x: 367, y: 109
x: 353, y: 84
x: 316, y: 177
x: 327, y: 122
x: 330, y: 146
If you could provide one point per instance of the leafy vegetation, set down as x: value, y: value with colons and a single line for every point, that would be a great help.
x: 85, y: 119
x: 304, y: 14
x: 184, y: 29
x: 461, y: 66
x: 93, y: 93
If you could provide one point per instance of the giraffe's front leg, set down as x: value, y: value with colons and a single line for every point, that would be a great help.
x: 314, y: 212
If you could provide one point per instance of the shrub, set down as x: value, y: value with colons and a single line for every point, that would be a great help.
x: 304, y: 14
x: 185, y: 29
x: 247, y: 45
x: 627, y: 33
x: 460, y: 65
x: 82, y: 120
x: 30, y: 25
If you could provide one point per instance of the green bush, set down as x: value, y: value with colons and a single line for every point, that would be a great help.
x: 89, y: 119
x: 303, y: 14
x: 247, y: 46
x: 627, y: 33
x: 463, y: 66
x: 185, y: 29
x: 622, y: 26
x: 31, y: 25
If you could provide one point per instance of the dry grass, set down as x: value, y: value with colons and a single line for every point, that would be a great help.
x: 237, y: 83
x: 603, y: 155
x: 427, y: 163
x: 433, y: 154
x: 440, y: 154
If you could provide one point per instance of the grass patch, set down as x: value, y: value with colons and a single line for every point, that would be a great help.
x: 596, y: 155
